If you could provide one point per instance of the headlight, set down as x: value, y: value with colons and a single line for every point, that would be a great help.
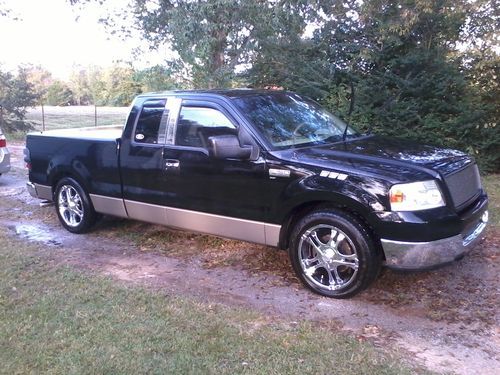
x: 415, y: 196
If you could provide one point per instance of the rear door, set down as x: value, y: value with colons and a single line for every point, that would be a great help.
x: 141, y: 160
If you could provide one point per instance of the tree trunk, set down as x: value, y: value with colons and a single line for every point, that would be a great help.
x: 217, y: 63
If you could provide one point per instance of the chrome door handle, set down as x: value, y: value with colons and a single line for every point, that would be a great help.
x: 172, y: 163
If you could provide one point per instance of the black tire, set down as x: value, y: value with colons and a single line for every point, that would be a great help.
x: 333, y: 254
x: 73, y: 206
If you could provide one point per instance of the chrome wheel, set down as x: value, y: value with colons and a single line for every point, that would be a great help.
x: 70, y: 206
x: 328, y: 257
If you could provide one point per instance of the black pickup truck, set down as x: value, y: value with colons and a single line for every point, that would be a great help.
x: 273, y: 168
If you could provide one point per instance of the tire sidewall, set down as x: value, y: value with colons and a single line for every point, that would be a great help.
x: 368, y: 259
x: 88, y: 210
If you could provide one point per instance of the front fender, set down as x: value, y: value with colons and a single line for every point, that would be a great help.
x: 361, y: 195
x: 354, y: 194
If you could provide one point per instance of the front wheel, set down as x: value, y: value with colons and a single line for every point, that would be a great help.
x: 333, y: 254
x: 74, y: 209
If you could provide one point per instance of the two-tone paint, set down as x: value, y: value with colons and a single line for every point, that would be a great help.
x: 258, y: 199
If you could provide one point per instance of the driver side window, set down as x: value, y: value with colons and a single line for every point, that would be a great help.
x: 197, y: 124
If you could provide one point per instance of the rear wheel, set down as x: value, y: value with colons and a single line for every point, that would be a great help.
x: 333, y: 254
x: 74, y: 209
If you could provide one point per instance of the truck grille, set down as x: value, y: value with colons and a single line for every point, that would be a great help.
x: 464, y: 185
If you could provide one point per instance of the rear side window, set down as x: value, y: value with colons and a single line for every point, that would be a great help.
x: 152, y: 123
x: 197, y: 124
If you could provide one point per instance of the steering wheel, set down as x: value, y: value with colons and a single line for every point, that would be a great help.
x: 295, y: 132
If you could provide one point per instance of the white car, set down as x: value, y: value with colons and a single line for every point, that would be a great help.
x: 4, y: 154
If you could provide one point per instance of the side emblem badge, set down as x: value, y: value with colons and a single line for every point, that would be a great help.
x: 334, y: 175
x: 279, y: 172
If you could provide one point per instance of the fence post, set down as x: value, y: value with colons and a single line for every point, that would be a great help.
x: 43, y: 118
x: 95, y: 115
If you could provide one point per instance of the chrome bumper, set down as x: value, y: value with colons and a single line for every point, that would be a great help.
x: 31, y: 189
x: 422, y: 255
x: 39, y: 191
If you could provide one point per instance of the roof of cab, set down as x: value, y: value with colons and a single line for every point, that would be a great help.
x: 229, y: 93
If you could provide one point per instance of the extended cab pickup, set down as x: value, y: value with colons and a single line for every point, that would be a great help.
x: 273, y: 168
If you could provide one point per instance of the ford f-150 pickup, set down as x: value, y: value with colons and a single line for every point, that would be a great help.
x: 269, y: 167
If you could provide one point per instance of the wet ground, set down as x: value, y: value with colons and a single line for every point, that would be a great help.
x: 446, y: 320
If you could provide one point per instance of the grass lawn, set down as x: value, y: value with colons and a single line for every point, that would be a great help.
x: 54, y: 319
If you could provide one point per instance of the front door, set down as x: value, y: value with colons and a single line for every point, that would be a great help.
x: 228, y: 187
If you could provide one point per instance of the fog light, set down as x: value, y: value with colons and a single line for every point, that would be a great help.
x: 485, y: 217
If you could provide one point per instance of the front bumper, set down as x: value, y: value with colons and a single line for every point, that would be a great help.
x: 424, y: 255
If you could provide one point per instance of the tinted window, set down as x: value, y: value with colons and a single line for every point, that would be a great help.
x: 287, y: 120
x: 197, y: 124
x: 152, y: 123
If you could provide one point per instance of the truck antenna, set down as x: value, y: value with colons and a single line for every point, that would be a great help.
x: 344, y: 135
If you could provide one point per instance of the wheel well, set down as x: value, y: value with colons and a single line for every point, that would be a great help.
x: 300, y: 211
x: 58, y: 177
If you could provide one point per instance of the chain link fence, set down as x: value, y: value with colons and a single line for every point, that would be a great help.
x: 52, y: 117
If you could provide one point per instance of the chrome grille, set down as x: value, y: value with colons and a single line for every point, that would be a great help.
x: 464, y: 185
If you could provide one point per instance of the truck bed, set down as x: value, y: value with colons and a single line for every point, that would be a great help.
x: 89, y: 154
x: 111, y: 132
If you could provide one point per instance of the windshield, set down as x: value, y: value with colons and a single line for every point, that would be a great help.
x: 286, y: 120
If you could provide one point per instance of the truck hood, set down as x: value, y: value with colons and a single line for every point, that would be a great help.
x: 393, y: 157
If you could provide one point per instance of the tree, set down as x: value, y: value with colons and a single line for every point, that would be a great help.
x: 212, y: 38
x: 400, y: 69
x: 40, y: 78
x: 156, y: 78
x: 121, y: 86
x: 423, y: 69
x: 59, y: 93
x: 4, y: 11
x: 16, y: 95
x: 415, y: 85
x: 79, y: 85
x: 481, y: 63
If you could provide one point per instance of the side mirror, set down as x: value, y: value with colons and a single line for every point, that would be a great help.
x: 228, y: 147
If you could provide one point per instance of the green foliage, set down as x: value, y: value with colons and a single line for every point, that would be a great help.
x: 16, y: 94
x: 424, y: 69
x: 40, y: 78
x: 484, y: 88
x: 156, y: 78
x: 396, y: 68
x: 114, y: 86
x: 120, y: 88
x: 212, y: 39
x: 58, y: 93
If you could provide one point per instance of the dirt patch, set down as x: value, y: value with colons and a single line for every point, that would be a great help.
x: 447, y: 319
x: 464, y: 293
